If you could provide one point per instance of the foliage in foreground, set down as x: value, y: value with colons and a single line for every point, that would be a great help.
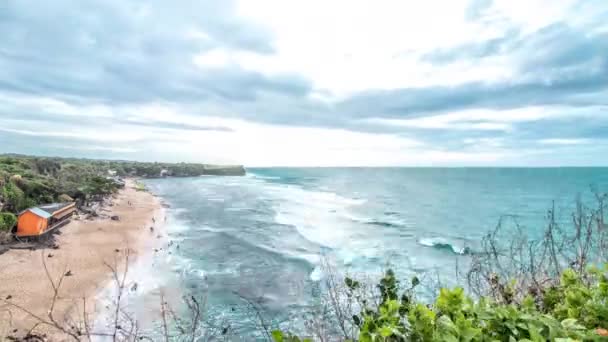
x: 574, y: 310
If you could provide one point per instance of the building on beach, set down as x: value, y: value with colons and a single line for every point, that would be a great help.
x: 42, y: 219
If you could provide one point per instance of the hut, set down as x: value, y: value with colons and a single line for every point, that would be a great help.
x: 39, y: 220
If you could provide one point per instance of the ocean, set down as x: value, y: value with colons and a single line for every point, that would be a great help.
x: 264, y: 236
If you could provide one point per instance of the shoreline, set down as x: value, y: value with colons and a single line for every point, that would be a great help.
x: 86, y: 249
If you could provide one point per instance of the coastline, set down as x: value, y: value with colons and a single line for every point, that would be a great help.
x: 86, y: 248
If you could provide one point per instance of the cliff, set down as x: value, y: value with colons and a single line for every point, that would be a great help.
x: 225, y: 170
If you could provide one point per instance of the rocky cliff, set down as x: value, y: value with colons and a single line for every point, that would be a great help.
x: 224, y: 170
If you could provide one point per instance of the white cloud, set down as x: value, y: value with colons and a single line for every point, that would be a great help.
x: 94, y: 148
x: 88, y: 133
x: 440, y: 122
x: 485, y: 143
x: 347, y: 46
x: 207, y: 105
x: 253, y: 144
x: 564, y: 141
x: 216, y: 58
x: 126, y: 133
x: 526, y: 13
x: 485, y: 119
x: 52, y: 106
x: 258, y: 144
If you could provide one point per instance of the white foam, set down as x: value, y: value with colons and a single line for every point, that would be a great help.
x: 258, y: 176
x: 318, y: 216
x: 439, y: 241
x: 215, y: 199
x: 141, y: 284
x: 317, y: 274
x: 429, y: 242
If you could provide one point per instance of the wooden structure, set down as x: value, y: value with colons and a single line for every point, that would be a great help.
x: 40, y: 220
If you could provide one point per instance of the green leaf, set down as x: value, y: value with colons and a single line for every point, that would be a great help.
x: 386, y: 331
x: 277, y: 335
x: 535, y: 333
x: 365, y: 337
x: 445, y: 325
x: 571, y: 324
x: 468, y: 334
x: 393, y: 306
x: 449, y: 338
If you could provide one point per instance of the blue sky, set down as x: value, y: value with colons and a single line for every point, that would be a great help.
x: 307, y: 83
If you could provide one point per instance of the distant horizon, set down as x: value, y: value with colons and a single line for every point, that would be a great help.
x: 320, y: 166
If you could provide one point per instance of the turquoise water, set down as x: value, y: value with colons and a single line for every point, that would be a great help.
x: 263, y: 236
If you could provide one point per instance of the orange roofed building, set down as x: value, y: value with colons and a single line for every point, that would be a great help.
x: 39, y: 220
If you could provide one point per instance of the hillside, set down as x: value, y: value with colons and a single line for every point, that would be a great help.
x: 27, y: 181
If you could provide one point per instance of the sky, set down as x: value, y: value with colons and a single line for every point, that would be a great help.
x: 307, y: 83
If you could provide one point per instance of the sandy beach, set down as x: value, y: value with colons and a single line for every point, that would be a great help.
x: 85, y: 247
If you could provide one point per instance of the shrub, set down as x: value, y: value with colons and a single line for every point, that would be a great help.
x: 13, y: 196
x: 7, y: 222
x: 580, y: 314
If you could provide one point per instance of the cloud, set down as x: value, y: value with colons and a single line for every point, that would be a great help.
x: 97, y: 148
x: 563, y: 141
x: 271, y: 82
x: 442, y: 123
x: 121, y: 51
x: 476, y: 8
x: 504, y: 95
x: 68, y: 135
x: 473, y: 50
x: 553, y: 65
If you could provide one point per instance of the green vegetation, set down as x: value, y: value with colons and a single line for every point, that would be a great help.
x: 576, y: 309
x: 28, y: 181
x: 7, y: 221
x: 578, y: 313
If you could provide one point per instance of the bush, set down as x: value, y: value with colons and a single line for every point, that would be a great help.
x: 7, y: 221
x: 581, y: 314
x: 13, y: 197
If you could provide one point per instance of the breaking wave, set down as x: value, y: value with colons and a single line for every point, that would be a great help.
x: 444, y: 244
